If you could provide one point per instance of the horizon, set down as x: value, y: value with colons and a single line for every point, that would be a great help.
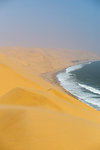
x: 50, y: 24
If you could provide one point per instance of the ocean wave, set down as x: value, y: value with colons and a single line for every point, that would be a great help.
x: 89, y: 88
x: 77, y: 67
x: 70, y: 83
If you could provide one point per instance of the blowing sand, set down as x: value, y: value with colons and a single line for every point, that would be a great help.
x: 35, y: 113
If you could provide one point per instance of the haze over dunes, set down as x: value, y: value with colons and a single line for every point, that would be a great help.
x: 36, y: 114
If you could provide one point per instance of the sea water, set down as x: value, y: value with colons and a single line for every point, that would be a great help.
x: 83, y: 82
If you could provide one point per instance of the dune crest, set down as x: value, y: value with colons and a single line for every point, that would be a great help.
x: 35, y: 113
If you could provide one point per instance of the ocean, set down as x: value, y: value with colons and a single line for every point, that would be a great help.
x: 83, y: 82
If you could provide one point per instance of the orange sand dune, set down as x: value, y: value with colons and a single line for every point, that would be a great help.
x: 37, y: 114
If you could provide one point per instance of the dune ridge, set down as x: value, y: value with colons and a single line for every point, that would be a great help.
x: 36, y: 113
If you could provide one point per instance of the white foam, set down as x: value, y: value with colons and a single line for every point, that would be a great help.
x: 76, y: 67
x: 89, y: 88
x: 70, y: 83
x: 72, y: 68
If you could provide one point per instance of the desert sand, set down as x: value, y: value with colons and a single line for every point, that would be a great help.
x: 35, y: 112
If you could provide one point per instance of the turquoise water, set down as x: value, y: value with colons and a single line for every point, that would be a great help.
x: 83, y: 81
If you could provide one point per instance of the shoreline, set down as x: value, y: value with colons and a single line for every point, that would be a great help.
x: 33, y: 105
x: 57, y: 82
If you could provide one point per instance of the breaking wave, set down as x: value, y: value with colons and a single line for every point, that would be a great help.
x: 91, y: 89
x: 86, y: 93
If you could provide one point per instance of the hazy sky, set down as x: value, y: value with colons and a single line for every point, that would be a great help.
x: 73, y: 24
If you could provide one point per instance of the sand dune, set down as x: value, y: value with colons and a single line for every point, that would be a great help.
x: 37, y: 128
x: 35, y: 113
x: 23, y: 97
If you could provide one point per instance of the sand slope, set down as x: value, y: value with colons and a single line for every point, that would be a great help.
x: 35, y: 114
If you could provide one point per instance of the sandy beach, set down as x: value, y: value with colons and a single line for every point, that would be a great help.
x: 35, y: 112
